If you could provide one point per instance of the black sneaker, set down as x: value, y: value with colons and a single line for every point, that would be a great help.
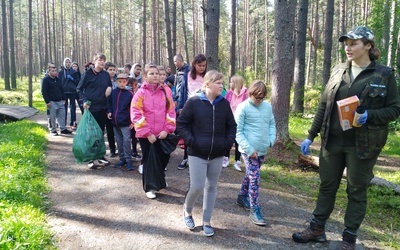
x: 104, y: 161
x: 53, y: 133
x: 183, y: 164
x: 136, y: 157
x: 66, y: 132
x: 91, y: 165
x: 112, y: 153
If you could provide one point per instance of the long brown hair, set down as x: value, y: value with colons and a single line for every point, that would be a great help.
x: 197, y: 59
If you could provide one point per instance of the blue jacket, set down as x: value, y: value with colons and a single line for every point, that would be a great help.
x: 69, y: 86
x: 207, y: 129
x: 92, y: 87
x: 119, y: 104
x: 255, y: 127
x: 181, y: 86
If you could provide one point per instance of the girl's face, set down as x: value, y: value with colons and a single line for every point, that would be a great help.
x: 75, y: 67
x: 162, y: 75
x: 152, y: 76
x: 200, y: 67
x: 216, y: 87
x: 356, y: 50
x: 257, y: 100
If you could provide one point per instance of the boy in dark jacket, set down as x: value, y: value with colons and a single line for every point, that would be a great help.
x: 54, y: 98
x: 69, y: 79
x: 119, y: 114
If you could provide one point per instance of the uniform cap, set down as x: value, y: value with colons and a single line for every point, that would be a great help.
x: 358, y: 33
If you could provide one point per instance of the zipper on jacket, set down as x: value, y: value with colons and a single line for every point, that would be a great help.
x: 212, y: 138
x: 116, y: 108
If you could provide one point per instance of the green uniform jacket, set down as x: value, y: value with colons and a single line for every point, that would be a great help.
x: 378, y: 93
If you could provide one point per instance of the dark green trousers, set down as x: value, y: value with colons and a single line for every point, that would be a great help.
x: 333, y: 159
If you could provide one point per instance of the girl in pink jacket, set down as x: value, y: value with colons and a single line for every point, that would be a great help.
x: 153, y: 115
x: 236, y: 94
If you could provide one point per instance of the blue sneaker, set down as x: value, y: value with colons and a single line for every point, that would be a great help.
x: 242, y: 201
x: 208, y: 230
x: 189, y: 222
x: 129, y: 166
x: 120, y: 164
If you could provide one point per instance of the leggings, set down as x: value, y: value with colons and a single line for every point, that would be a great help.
x: 251, y: 181
x: 204, y: 175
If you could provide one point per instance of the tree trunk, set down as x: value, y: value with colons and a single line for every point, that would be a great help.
x: 300, y: 58
x: 144, y: 28
x: 170, y: 56
x: 154, y: 32
x: 195, y: 28
x: 282, y: 67
x: 12, y: 46
x: 328, y: 41
x: 267, y: 80
x: 342, y: 30
x: 174, y: 30
x: 6, y: 60
x: 315, y: 48
x: 212, y: 33
x: 391, y: 34
x: 232, y: 55
x: 30, y: 54
x: 185, y: 42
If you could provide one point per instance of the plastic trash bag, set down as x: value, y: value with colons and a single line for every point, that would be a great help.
x: 168, y: 145
x: 88, y: 141
x: 153, y: 172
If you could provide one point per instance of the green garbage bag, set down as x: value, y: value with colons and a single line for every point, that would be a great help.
x: 88, y: 141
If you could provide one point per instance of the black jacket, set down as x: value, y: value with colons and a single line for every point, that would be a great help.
x: 69, y: 86
x: 52, y: 89
x: 92, y: 87
x: 207, y: 129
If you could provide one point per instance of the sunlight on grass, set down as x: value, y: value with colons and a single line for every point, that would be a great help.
x: 23, y: 187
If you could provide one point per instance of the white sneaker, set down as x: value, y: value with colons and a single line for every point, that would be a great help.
x: 237, y: 166
x: 225, y: 163
x: 151, y: 194
x: 140, y: 169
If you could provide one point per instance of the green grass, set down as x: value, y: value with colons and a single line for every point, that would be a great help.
x: 23, y: 185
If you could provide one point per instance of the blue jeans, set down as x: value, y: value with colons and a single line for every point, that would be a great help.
x: 72, y: 108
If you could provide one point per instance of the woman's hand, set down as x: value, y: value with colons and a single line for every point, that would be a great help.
x: 152, y: 139
x: 162, y: 135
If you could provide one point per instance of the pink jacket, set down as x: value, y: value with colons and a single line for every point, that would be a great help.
x: 234, y: 99
x: 148, y: 111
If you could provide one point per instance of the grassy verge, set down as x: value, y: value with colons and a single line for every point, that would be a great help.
x: 23, y: 187
x: 383, y: 211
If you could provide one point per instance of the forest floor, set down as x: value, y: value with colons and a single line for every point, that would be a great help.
x: 107, y: 209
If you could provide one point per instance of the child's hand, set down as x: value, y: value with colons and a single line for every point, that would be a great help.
x: 254, y: 155
x: 162, y: 135
x: 109, y: 116
x: 152, y: 139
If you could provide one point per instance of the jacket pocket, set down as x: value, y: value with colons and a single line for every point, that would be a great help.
x: 377, y: 94
x: 370, y: 140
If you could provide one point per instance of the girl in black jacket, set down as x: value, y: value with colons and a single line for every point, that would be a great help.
x: 208, y: 128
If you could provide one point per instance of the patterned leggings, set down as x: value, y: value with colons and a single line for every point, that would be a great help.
x: 251, y: 181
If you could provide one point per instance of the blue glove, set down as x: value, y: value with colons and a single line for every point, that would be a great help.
x: 304, y: 146
x: 362, y: 119
x: 70, y: 77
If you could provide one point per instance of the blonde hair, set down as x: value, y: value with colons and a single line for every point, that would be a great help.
x: 237, y: 83
x: 210, y: 77
x: 257, y: 88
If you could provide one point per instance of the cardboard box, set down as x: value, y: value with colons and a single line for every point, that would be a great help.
x: 346, y: 109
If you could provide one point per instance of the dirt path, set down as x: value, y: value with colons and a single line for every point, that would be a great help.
x: 107, y: 209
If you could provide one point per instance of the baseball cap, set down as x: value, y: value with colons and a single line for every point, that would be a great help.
x: 358, y: 33
x: 122, y: 76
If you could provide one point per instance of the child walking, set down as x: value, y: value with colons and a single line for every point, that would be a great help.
x: 236, y: 94
x: 256, y: 133
x: 208, y: 127
x: 119, y: 114
x: 153, y: 114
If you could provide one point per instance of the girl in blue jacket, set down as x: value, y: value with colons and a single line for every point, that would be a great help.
x: 255, y: 133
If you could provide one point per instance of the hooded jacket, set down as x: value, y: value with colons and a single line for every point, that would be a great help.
x: 92, y: 87
x: 149, y: 112
x: 119, y: 105
x: 207, y: 129
x: 69, y: 86
x: 181, y: 86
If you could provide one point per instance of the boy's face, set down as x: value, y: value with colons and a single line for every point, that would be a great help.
x: 112, y: 71
x: 122, y: 83
x: 137, y: 70
x: 99, y: 64
x: 162, y: 75
x: 67, y: 64
x: 126, y: 70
